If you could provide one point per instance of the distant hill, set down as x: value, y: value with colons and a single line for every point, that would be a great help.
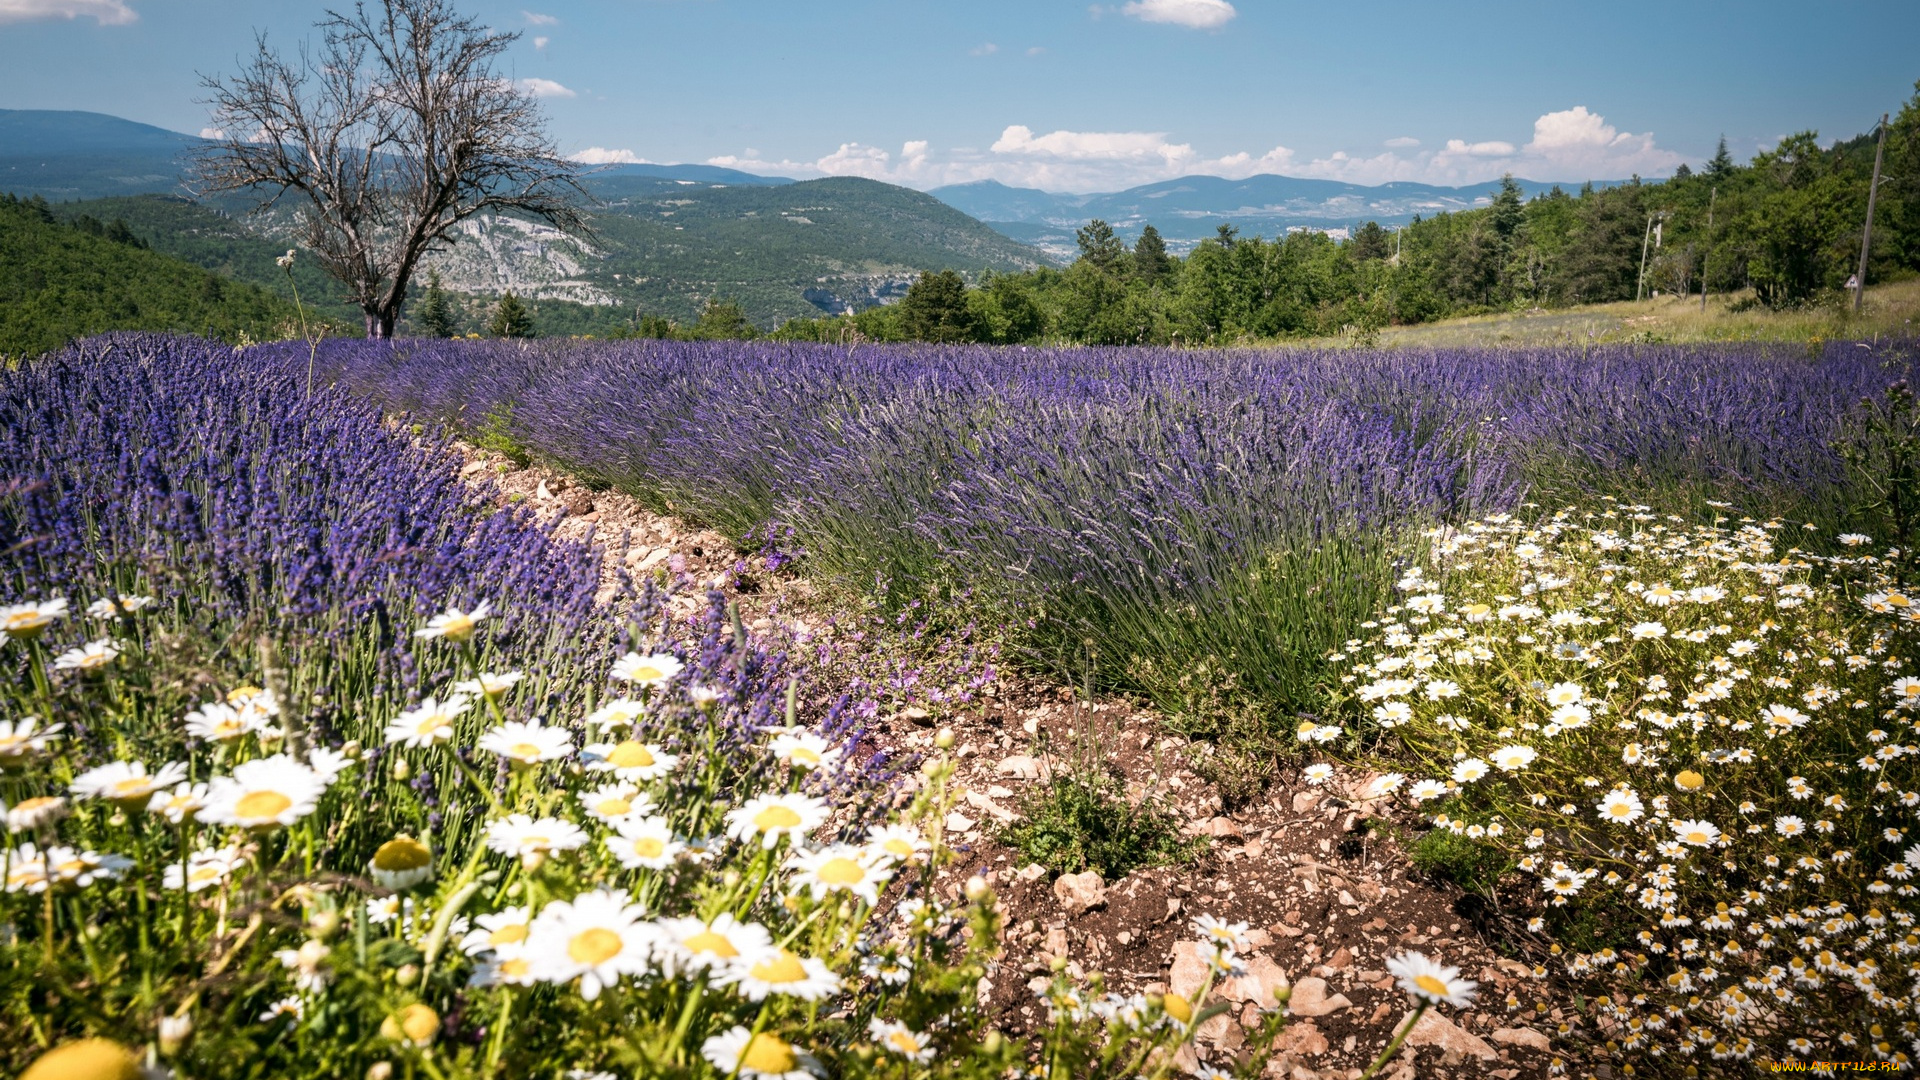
x: 63, y: 280
x: 670, y: 237
x: 1192, y: 208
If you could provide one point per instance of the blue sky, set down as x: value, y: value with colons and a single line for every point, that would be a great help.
x: 1073, y: 97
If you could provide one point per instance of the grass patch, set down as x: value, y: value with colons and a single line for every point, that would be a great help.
x: 1475, y: 867
x: 1081, y: 821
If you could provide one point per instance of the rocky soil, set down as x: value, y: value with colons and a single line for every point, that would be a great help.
x: 1328, y: 893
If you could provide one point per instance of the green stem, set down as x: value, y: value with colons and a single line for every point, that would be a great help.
x: 1394, y: 1046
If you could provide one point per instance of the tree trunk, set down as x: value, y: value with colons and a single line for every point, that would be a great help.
x: 379, y: 325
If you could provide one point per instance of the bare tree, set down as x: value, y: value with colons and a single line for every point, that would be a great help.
x: 395, y: 133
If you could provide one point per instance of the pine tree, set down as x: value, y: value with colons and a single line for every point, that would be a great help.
x: 1100, y: 247
x: 1722, y: 162
x: 511, y: 319
x: 935, y: 309
x: 436, y: 315
x: 1150, y: 259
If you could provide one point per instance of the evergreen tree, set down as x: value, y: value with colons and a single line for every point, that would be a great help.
x: 1151, y: 262
x: 725, y: 320
x: 1369, y: 243
x: 511, y: 319
x: 1722, y: 162
x: 935, y: 309
x: 436, y: 314
x: 1099, y: 247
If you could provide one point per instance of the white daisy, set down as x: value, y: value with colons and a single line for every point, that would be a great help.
x: 1565, y: 693
x: 805, y: 750
x: 1622, y: 807
x: 206, y: 869
x: 24, y: 739
x: 1648, y: 631
x: 1318, y: 773
x: 177, y: 805
x: 71, y: 866
x: 1469, y: 770
x: 1789, y: 825
x: 126, y: 782
x: 294, y: 1007
x: 759, y: 1056
x: 779, y: 971
x: 649, y: 670
x: 630, y: 759
x: 30, y: 814
x: 1424, y: 790
x: 1222, y: 934
x: 454, y: 624
x: 502, y: 932
x: 597, y: 937
x: 429, y: 722
x: 1514, y: 758
x: 518, y: 834
x: 264, y: 793
x: 489, y: 684
x: 899, y: 1039
x: 839, y: 868
x: 105, y: 608
x: 687, y: 945
x: 619, y: 713
x: 1696, y: 833
x: 25, y: 621
x: 899, y: 843
x: 504, y: 969
x: 645, y: 843
x: 1429, y: 981
x: 92, y: 656
x: 401, y: 863
x: 525, y: 743
x: 328, y: 764
x: 615, y: 803
x: 217, y: 721
x: 771, y: 817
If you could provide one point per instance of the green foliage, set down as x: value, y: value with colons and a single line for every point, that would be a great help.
x: 511, y: 319
x: 495, y: 432
x: 935, y: 309
x: 1084, y: 818
x: 1882, y: 451
x: 1473, y: 866
x: 723, y: 320
x: 436, y: 315
x: 62, y: 281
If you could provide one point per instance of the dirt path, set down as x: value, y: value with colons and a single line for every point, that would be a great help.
x: 1328, y: 900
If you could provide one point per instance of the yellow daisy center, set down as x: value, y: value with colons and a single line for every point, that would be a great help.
x: 613, y: 807
x: 1178, y: 1007
x: 1430, y: 984
x: 841, y: 871
x: 706, y: 941
x: 512, y: 934
x: 784, y: 967
x: 776, y: 817
x: 525, y: 751
x: 241, y: 693
x: 402, y: 854
x: 1898, y: 600
x: 594, y: 947
x: 516, y: 967
x: 897, y: 846
x: 1696, y: 837
x: 205, y: 873
x: 768, y: 1055
x: 1688, y: 780
x: 260, y: 805
x: 21, y: 619
x: 648, y: 847
x: 458, y: 626
x: 631, y: 755
x: 431, y: 724
x: 805, y: 755
x: 904, y: 1042
x: 38, y: 802
x: 135, y: 785
x: 648, y: 673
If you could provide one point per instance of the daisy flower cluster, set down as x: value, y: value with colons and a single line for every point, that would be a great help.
x: 1699, y: 735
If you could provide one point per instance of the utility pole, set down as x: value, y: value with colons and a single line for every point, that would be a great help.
x: 1866, y: 234
x: 1640, y: 288
x: 1713, y: 195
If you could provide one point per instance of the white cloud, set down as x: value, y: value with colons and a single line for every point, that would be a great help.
x: 546, y: 88
x: 541, y: 42
x: 534, y: 18
x: 212, y: 133
x: 1581, y: 144
x: 987, y: 49
x: 104, y: 12
x: 1198, y: 14
x: 1401, y: 142
x: 600, y: 155
x: 1479, y: 149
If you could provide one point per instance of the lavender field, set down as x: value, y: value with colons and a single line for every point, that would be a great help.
x: 1200, y: 527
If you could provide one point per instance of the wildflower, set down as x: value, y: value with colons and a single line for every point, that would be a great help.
x: 1648, y: 631
x: 897, y: 843
x: 185, y: 799
x: 1424, y: 790
x: 805, y: 750
x: 489, y: 685
x: 687, y: 945
x: 646, y: 670
x: 414, y: 1025
x: 646, y: 842
x: 898, y: 1038
x: 1688, y: 780
x: 287, y: 1006
x: 840, y: 868
x: 206, y: 869
x: 285, y: 262
x: 597, y: 938
x: 38, y: 811
x: 1429, y: 982
x: 1469, y: 770
x: 401, y: 863
x: 630, y: 760
x: 105, y: 608
x: 1621, y: 806
x: 778, y: 971
x: 1221, y: 934
x: 1514, y: 758
x: 759, y: 1056
x: 308, y: 963
x: 24, y: 622
x: 503, y: 931
x: 621, y: 712
x: 1696, y: 833
x: 771, y: 817
x: 615, y: 803
x: 217, y: 721
x: 86, y: 1059
x: 526, y: 744
x: 263, y: 793
x: 89, y: 657
x: 126, y: 782
x: 427, y: 723
x: 23, y: 739
x: 1565, y: 693
x: 521, y: 835
x: 454, y: 624
x: 1789, y: 825
x: 1318, y: 773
